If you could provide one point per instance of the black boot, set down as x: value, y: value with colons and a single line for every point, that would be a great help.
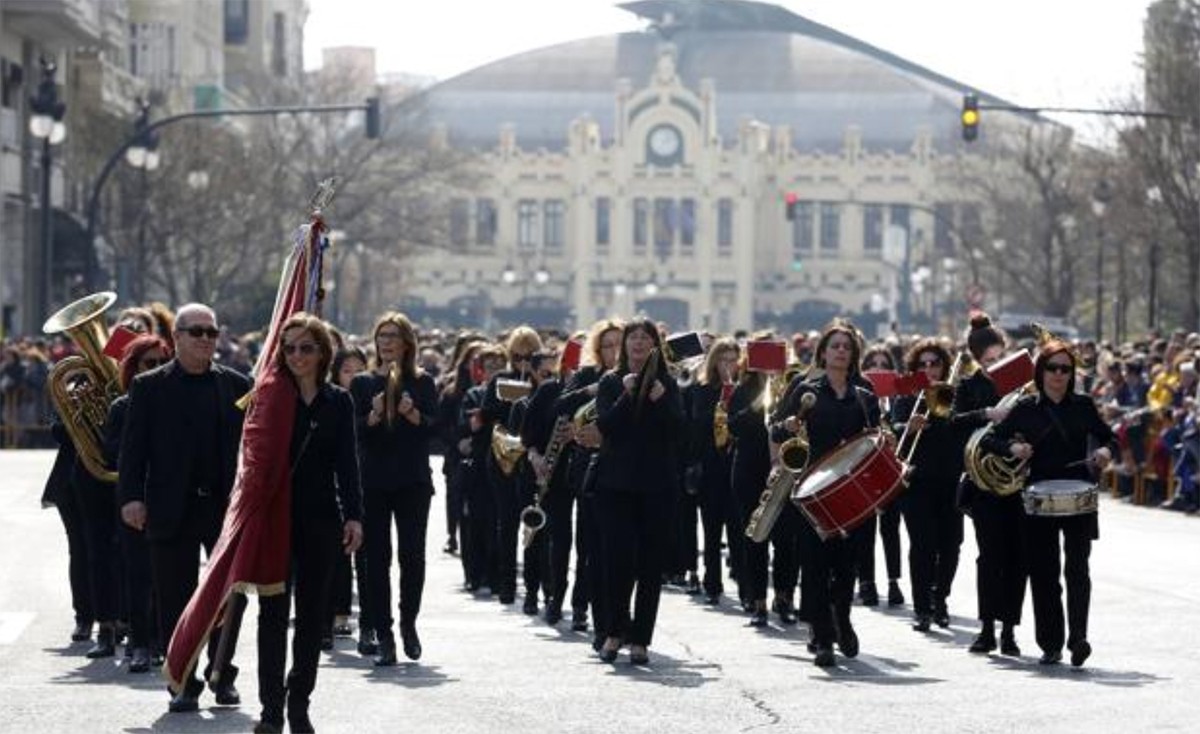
x: 985, y: 641
x: 106, y: 642
x: 1008, y: 642
x: 867, y: 594
x: 412, y: 643
x: 895, y: 595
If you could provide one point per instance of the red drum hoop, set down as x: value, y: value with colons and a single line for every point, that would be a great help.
x: 849, y: 484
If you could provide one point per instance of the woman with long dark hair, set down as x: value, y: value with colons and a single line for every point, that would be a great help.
x: 879, y: 357
x: 640, y: 416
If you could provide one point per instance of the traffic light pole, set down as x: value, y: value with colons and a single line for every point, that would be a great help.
x: 370, y: 107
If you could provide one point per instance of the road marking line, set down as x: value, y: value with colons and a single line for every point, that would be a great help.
x: 12, y: 624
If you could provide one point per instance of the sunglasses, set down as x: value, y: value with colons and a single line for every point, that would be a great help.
x: 935, y: 362
x: 197, y: 332
x: 522, y: 357
x: 1062, y: 369
x: 307, y: 348
x: 151, y: 362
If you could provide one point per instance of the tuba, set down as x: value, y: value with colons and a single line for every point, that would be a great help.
x: 507, y: 450
x: 82, y: 386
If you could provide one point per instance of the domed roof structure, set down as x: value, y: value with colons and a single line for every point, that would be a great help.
x: 764, y: 61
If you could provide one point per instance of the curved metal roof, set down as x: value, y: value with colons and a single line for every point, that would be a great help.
x: 765, y: 62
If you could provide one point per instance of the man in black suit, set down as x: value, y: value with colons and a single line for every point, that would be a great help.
x: 178, y: 460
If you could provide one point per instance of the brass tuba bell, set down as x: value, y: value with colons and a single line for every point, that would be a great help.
x: 82, y: 386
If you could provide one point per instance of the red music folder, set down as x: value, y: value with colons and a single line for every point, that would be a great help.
x: 883, y: 382
x: 766, y: 355
x: 118, y: 340
x: 571, y: 355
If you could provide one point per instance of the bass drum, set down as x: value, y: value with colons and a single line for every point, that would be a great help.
x: 849, y: 485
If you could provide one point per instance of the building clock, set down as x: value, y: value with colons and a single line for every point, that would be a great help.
x: 664, y: 145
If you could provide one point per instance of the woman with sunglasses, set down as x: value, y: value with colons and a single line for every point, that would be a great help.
x: 1051, y: 430
x: 326, y: 512
x: 935, y: 526
x: 879, y: 357
x: 844, y: 406
x: 393, y: 452
x: 999, y: 568
x: 640, y: 417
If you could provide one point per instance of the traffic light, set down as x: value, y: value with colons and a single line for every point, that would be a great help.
x: 970, y: 117
x: 790, y: 201
x: 372, y: 123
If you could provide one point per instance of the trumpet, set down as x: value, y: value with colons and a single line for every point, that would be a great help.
x: 937, y: 400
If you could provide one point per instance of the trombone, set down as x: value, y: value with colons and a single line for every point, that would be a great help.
x: 937, y: 400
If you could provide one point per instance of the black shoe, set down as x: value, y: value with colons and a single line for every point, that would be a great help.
x: 847, y: 640
x: 299, y: 722
x: 553, y: 613
x: 387, y: 654
x: 327, y: 642
x: 188, y: 699
x: 639, y: 657
x: 941, y: 616
x: 597, y: 642
x: 530, y: 607
x: 693, y: 585
x: 921, y: 622
x: 1050, y: 658
x: 895, y: 595
x: 824, y: 657
x: 226, y: 694
x: 1080, y: 652
x: 508, y: 597
x: 609, y: 654
x: 759, y: 618
x: 105, y: 645
x: 269, y: 726
x: 579, y: 620
x: 713, y: 600
x: 82, y: 632
x: 783, y: 607
x: 867, y: 594
x: 412, y: 643
x: 1008, y: 645
x: 984, y: 643
x: 367, y: 643
x: 140, y: 661
x: 451, y: 545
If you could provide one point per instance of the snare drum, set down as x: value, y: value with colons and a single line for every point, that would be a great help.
x: 1060, y: 497
x: 849, y: 485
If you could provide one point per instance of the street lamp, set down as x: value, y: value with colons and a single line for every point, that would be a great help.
x: 542, y: 276
x: 509, y: 276
x: 144, y: 153
x: 1101, y: 195
x: 45, y: 124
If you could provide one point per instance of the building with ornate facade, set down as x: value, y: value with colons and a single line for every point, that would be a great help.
x: 651, y: 172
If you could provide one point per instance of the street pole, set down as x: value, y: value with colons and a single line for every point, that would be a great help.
x: 47, y: 299
x: 1100, y: 283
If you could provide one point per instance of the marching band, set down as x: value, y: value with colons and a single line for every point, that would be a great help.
x: 596, y: 447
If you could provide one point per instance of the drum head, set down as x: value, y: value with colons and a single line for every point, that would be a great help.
x: 1061, y: 486
x: 836, y: 465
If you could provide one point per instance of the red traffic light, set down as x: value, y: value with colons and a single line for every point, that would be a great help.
x: 791, y: 199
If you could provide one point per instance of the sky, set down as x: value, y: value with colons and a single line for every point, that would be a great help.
x: 1069, y: 53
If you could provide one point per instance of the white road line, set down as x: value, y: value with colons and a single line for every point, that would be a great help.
x: 12, y: 624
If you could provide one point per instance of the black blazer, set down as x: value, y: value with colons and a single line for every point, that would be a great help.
x: 395, y: 457
x: 324, y: 456
x: 638, y: 453
x: 153, y: 461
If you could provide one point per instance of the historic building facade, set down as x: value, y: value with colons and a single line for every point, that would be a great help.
x: 651, y: 172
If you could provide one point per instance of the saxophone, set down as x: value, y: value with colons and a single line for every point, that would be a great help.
x: 721, y: 419
x: 793, y: 461
x: 533, y: 517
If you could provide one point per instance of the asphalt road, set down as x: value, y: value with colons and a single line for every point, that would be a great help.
x: 488, y: 668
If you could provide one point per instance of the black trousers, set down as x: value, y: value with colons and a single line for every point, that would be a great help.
x: 560, y: 506
x: 455, y: 491
x: 506, y: 531
x: 479, y: 535
x: 71, y: 516
x: 935, y: 534
x: 139, y: 589
x: 718, y: 517
x: 175, y: 567
x: 348, y: 572
x: 787, y: 542
x: 634, y: 552
x: 316, y: 547
x: 747, y: 490
x: 682, y: 548
x: 98, y: 511
x: 408, y: 509
x: 888, y: 525
x: 592, y: 564
x: 828, y: 581
x: 1045, y: 558
x: 1000, y: 568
